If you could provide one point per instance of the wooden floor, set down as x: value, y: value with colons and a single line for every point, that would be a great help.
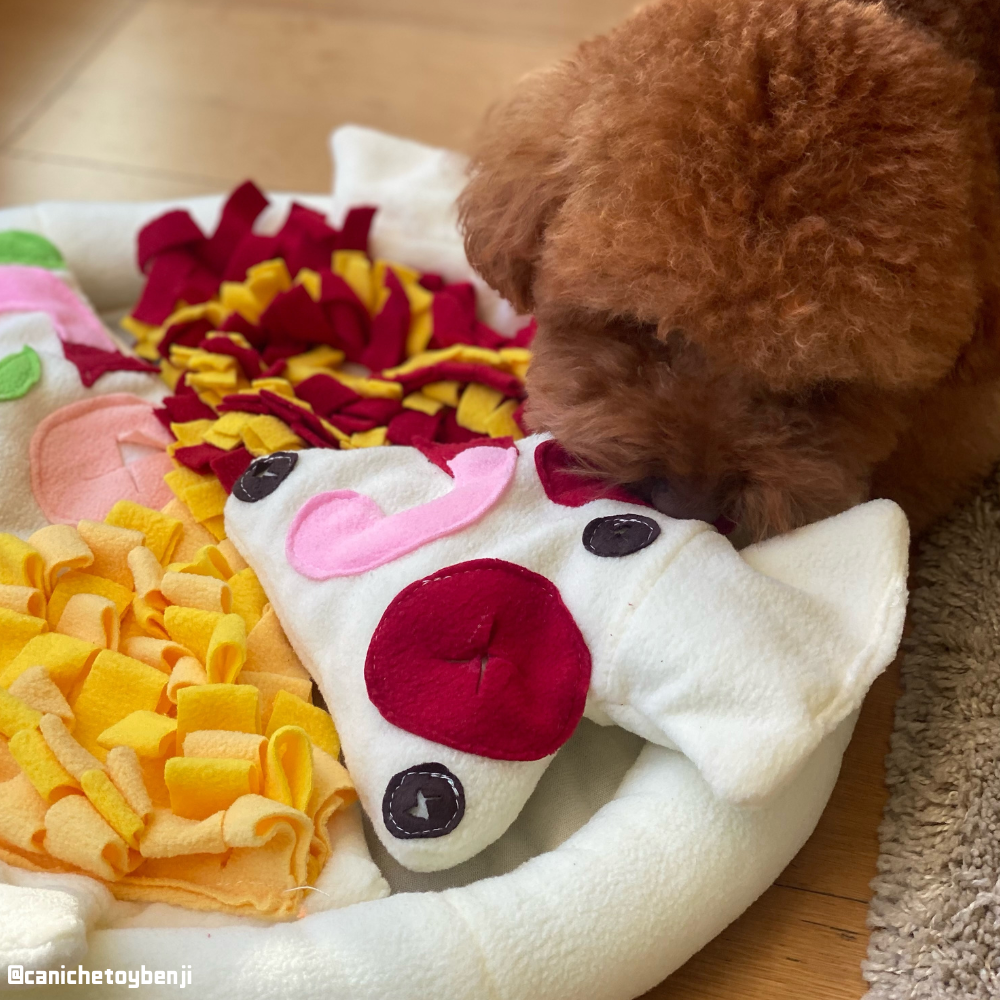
x: 135, y: 99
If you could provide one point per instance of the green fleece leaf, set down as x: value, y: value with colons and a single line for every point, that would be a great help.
x: 18, y: 373
x: 17, y: 247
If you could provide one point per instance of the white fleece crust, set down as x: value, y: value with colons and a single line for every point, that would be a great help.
x: 742, y: 663
x: 656, y: 873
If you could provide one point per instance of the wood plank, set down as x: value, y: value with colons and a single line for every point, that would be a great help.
x: 25, y: 179
x: 563, y: 20
x: 235, y: 92
x: 840, y: 856
x: 790, y: 943
x: 40, y: 42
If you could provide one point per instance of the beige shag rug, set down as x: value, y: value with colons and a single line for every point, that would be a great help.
x: 935, y: 915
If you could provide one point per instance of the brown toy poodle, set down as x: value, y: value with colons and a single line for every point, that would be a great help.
x: 762, y: 242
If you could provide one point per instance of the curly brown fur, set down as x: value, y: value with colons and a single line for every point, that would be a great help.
x: 762, y: 241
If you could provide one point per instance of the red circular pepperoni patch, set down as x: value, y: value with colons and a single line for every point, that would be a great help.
x: 482, y: 657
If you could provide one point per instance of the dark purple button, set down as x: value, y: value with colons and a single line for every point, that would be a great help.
x: 264, y: 476
x: 423, y: 801
x: 620, y: 534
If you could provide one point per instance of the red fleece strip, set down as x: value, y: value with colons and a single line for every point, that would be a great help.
x: 454, y: 313
x: 314, y: 432
x: 452, y: 432
x: 483, y: 657
x: 170, y: 231
x: 238, y: 216
x: 167, y: 276
x: 253, y: 249
x: 92, y: 362
x: 200, y: 286
x: 248, y: 403
x: 182, y: 388
x: 325, y: 394
x: 235, y: 323
x: 184, y: 334
x: 306, y: 240
x: 442, y: 454
x: 297, y: 417
x: 525, y: 335
x: 356, y: 229
x: 310, y: 437
x: 566, y: 483
x: 485, y: 336
x: 346, y: 313
x: 460, y: 371
x: 279, y: 351
x: 409, y: 426
x: 183, y: 409
x: 379, y: 410
x: 275, y: 369
x: 230, y: 465
x: 454, y: 318
x: 350, y: 425
x: 389, y: 328
x: 199, y: 457
x: 518, y: 418
x: 282, y: 408
x: 293, y: 317
x: 248, y: 358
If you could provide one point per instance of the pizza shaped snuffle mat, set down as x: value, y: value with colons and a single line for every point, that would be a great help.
x: 293, y: 615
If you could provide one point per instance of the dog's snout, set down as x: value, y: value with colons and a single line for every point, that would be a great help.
x: 264, y: 476
x: 680, y: 498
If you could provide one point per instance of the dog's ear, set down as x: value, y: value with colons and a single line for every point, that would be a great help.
x: 518, y: 179
x: 980, y: 359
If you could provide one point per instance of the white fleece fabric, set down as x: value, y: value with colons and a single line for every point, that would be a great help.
x: 693, y: 647
x: 44, y: 918
x: 414, y: 228
x: 621, y: 881
x: 628, y: 898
